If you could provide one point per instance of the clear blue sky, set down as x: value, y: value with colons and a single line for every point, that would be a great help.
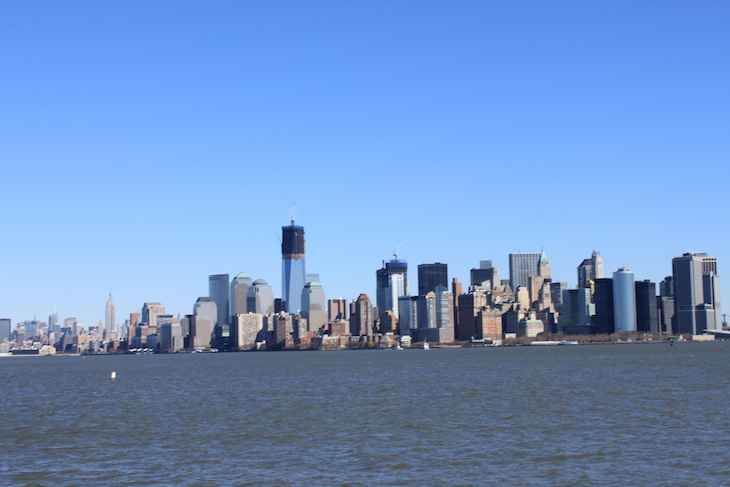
x: 146, y: 145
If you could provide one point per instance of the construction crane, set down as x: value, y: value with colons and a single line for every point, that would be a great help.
x: 395, y: 253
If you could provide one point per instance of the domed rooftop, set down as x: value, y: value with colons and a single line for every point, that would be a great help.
x: 260, y: 282
x: 243, y: 275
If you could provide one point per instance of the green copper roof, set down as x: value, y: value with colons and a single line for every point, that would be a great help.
x: 543, y: 256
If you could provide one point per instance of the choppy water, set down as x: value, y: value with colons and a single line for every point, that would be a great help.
x: 570, y: 415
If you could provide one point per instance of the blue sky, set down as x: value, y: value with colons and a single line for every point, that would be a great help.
x: 146, y: 145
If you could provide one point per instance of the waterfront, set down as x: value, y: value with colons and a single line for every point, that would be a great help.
x: 580, y: 415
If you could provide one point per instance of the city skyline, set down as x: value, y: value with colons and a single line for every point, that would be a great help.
x: 224, y: 293
x: 146, y: 148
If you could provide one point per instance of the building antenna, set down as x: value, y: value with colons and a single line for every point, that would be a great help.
x: 395, y: 253
x: 292, y: 212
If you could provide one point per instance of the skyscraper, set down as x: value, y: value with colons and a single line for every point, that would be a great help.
x: 665, y: 306
x: 293, y: 267
x: 150, y: 312
x: 53, y: 321
x: 203, y: 324
x: 647, y: 315
x: 577, y: 311
x: 362, y: 319
x: 5, y: 329
x: 314, y: 306
x: 603, y: 300
x: 337, y: 309
x: 696, y: 293
x: 590, y: 270
x: 111, y: 317
x: 485, y: 273
x: 391, y: 283
x: 430, y: 276
x: 624, y: 300
x: 218, y: 290
x: 260, y: 298
x: 521, y: 267
x: 239, y: 294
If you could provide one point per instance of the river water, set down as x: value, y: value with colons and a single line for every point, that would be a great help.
x: 566, y: 415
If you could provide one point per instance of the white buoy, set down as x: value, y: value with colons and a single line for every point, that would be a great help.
x: 114, y: 376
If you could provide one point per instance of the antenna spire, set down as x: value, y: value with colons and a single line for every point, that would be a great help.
x: 292, y: 212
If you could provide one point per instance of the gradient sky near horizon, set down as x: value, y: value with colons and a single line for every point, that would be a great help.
x: 147, y: 145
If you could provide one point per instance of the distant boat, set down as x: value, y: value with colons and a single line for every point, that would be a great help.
x: 397, y: 347
x: 425, y: 346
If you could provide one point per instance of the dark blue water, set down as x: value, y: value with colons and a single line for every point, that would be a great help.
x: 569, y: 415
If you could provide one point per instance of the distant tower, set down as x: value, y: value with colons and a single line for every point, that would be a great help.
x: 603, y: 320
x: 485, y: 273
x: 293, y: 268
x: 314, y: 306
x: 53, y: 321
x: 111, y: 317
x: 150, y: 312
x: 590, y: 270
x: 218, y: 289
x: 430, y: 276
x: 647, y: 314
x: 543, y: 265
x: 624, y: 300
x: 521, y: 267
x: 260, y: 298
x: 361, y: 319
x: 5, y: 329
x: 239, y: 294
x: 337, y: 309
x: 205, y: 315
x: 391, y: 283
x: 696, y: 293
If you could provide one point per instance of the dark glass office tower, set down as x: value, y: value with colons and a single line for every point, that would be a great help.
x: 603, y: 320
x: 647, y: 316
x: 293, y: 270
x: 430, y: 276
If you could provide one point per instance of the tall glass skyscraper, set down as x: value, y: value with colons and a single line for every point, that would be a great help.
x: 624, y: 300
x: 293, y: 269
x: 521, y: 267
x: 218, y: 290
